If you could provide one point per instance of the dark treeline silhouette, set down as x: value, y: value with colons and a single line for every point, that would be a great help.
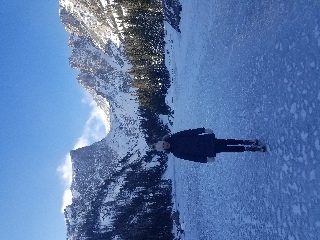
x: 147, y: 214
x: 144, y: 42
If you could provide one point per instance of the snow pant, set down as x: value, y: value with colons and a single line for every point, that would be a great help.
x: 229, y: 145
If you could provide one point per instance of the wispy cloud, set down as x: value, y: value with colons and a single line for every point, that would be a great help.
x: 96, y: 128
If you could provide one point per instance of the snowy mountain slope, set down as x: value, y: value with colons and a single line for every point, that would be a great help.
x: 95, y: 20
x: 102, y: 65
x: 250, y: 70
x: 98, y: 55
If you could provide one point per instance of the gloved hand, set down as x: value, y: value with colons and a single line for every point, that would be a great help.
x: 208, y: 130
x: 210, y: 159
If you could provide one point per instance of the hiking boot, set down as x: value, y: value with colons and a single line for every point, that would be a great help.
x: 256, y: 149
x: 251, y: 142
x: 263, y: 149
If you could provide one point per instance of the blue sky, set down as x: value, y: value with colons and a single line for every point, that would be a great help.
x: 42, y: 116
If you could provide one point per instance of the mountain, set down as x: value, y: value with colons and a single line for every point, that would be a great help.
x: 98, y: 55
x: 117, y: 182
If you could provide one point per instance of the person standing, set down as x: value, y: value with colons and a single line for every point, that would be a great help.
x: 201, y: 145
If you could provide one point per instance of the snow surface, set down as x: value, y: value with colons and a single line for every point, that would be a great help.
x: 248, y: 69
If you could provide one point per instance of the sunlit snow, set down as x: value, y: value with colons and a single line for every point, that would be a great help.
x: 248, y: 70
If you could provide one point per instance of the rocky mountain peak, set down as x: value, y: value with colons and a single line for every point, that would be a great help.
x: 98, y: 55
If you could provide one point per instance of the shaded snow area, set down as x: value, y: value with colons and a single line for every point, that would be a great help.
x: 248, y: 69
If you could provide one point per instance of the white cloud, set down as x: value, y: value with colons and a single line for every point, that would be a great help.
x: 65, y: 171
x: 96, y: 128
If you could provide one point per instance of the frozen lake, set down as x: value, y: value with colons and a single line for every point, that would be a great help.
x: 249, y: 69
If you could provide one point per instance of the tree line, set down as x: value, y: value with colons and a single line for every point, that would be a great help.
x: 148, y: 214
x: 144, y: 43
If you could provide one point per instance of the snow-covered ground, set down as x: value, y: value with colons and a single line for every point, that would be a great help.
x: 249, y: 69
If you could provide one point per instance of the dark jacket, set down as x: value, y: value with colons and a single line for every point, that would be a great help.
x: 192, y: 145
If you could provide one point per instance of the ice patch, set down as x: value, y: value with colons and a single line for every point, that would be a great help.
x: 293, y: 186
x: 304, y: 136
x: 292, y: 45
x: 285, y: 168
x: 289, y: 89
x: 316, y: 32
x: 313, y: 175
x: 289, y: 68
x: 279, y: 46
x: 296, y: 209
x: 312, y: 154
x: 317, y: 144
x: 287, y: 158
x: 279, y: 215
x: 293, y: 108
x: 312, y: 64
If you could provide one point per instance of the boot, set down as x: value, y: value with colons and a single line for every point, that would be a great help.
x: 256, y: 149
x: 251, y: 142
